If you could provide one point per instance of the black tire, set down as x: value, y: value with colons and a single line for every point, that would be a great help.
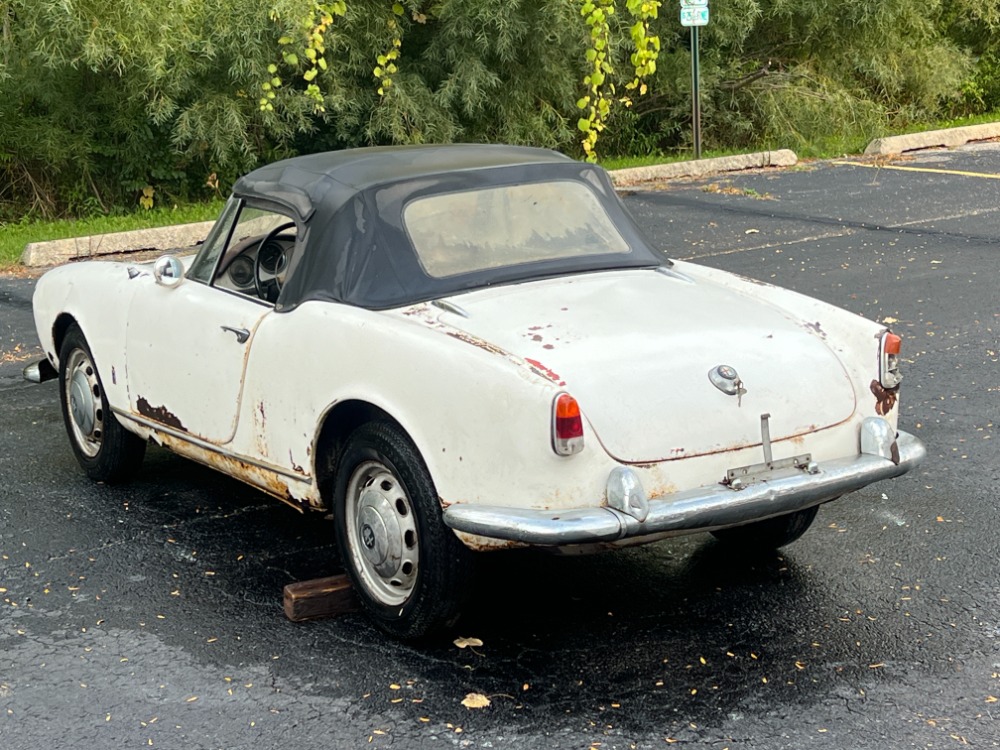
x: 411, y: 573
x: 770, y: 533
x: 105, y: 450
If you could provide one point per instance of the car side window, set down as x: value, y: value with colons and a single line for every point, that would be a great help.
x: 256, y: 259
x: 204, y: 262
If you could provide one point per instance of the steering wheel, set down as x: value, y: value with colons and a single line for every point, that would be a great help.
x: 269, y: 289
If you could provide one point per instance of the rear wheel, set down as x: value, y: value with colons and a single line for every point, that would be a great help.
x: 409, y: 570
x: 770, y: 533
x: 106, y: 450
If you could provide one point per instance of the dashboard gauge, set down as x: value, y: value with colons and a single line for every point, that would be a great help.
x: 271, y: 257
x: 241, y: 272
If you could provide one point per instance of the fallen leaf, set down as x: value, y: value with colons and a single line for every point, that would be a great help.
x: 475, y: 700
x: 466, y: 642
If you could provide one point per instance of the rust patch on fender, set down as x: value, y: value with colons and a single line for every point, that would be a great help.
x: 661, y: 490
x: 417, y: 310
x: 885, y: 398
x: 295, y: 467
x: 758, y: 282
x: 159, y: 414
x: 255, y: 476
x: 486, y: 544
x: 477, y: 342
x: 815, y: 328
x: 545, y: 372
x: 259, y: 434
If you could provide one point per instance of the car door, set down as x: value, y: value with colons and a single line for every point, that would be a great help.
x: 187, y: 348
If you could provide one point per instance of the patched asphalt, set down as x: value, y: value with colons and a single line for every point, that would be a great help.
x: 150, y: 614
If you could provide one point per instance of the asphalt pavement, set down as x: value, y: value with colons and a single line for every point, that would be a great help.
x: 150, y: 615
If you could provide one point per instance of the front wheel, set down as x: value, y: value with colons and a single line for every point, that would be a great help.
x: 106, y: 450
x: 409, y: 570
x: 770, y: 533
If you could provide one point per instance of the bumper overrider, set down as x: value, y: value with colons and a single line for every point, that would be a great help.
x: 884, y: 454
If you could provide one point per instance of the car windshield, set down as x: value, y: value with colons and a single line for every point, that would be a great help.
x: 475, y: 230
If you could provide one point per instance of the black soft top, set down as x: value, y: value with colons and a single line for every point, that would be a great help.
x: 353, y: 247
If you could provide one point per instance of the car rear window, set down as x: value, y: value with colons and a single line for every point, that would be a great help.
x: 475, y: 230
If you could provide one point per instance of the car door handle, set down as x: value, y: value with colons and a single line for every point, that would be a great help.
x: 242, y: 334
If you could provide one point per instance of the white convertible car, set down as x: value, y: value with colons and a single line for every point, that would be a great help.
x: 458, y: 348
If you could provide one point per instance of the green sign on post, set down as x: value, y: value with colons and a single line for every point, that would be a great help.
x: 694, y: 13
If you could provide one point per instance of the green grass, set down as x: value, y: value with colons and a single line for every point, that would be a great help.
x: 14, y: 236
x: 955, y: 123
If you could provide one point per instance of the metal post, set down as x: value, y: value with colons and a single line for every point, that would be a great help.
x: 695, y: 93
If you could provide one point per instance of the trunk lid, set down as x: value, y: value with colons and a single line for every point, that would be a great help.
x: 636, y: 347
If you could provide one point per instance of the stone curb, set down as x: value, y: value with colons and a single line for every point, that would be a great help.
x: 54, y: 252
x: 949, y: 138
x: 700, y: 167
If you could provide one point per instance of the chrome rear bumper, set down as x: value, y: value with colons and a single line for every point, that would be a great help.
x: 711, y: 507
x: 39, y: 372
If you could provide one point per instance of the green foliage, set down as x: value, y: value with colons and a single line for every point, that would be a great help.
x: 468, y: 70
x: 122, y: 103
x: 796, y: 72
x: 975, y: 26
x: 107, y: 97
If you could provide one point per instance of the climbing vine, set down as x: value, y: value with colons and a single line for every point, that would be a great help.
x: 386, y: 67
x: 303, y: 47
x: 596, y: 104
x: 647, y: 46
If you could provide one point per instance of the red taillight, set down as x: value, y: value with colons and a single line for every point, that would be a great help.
x: 567, y: 425
x: 889, y: 374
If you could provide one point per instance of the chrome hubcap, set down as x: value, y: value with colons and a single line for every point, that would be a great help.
x: 83, y: 395
x: 382, y: 533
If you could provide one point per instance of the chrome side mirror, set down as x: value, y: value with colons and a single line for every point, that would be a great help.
x: 168, y: 271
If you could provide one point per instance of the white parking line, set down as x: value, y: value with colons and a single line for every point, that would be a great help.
x: 767, y: 246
